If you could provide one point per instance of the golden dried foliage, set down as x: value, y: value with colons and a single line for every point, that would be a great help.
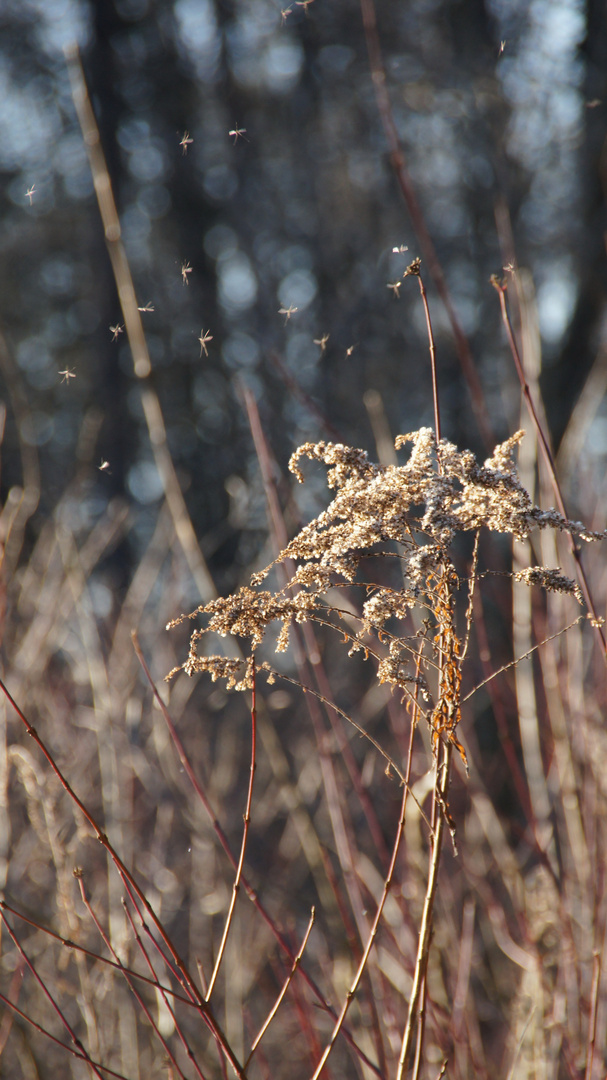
x: 410, y: 512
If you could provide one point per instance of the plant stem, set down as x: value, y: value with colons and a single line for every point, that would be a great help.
x: 441, y: 785
x: 245, y: 834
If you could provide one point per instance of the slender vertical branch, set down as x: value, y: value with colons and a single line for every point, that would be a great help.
x: 432, y: 347
x: 443, y: 765
x: 134, y: 327
x: 413, y: 270
x: 421, y: 1027
x: 594, y: 1000
x: 245, y: 834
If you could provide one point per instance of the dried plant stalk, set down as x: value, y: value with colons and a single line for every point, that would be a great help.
x: 411, y: 512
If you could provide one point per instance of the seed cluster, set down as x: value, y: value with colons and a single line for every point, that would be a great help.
x: 410, y: 512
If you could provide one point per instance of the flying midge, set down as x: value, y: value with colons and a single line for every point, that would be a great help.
x: 205, y: 337
x: 185, y: 142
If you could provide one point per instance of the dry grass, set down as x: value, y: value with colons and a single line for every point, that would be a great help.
x: 436, y: 797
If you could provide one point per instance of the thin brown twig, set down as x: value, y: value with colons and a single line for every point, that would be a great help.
x: 421, y: 1017
x: 283, y: 991
x: 511, y: 663
x: 245, y: 835
x: 134, y: 327
x: 501, y: 287
x: 414, y: 270
x: 386, y: 756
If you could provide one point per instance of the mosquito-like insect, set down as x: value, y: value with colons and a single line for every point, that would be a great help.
x: 238, y: 133
x: 116, y: 330
x: 304, y: 4
x: 185, y: 142
x: 284, y: 14
x: 287, y: 312
x: 205, y: 336
x: 501, y: 48
x: 29, y: 194
x: 185, y: 270
x: 147, y: 307
x: 104, y: 467
x: 400, y: 250
x: 67, y: 375
x: 322, y: 342
x: 395, y: 286
x: 350, y: 350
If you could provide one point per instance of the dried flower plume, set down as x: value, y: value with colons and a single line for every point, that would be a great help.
x: 410, y: 512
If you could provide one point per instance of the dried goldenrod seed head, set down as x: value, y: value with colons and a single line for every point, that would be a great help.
x: 409, y: 512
